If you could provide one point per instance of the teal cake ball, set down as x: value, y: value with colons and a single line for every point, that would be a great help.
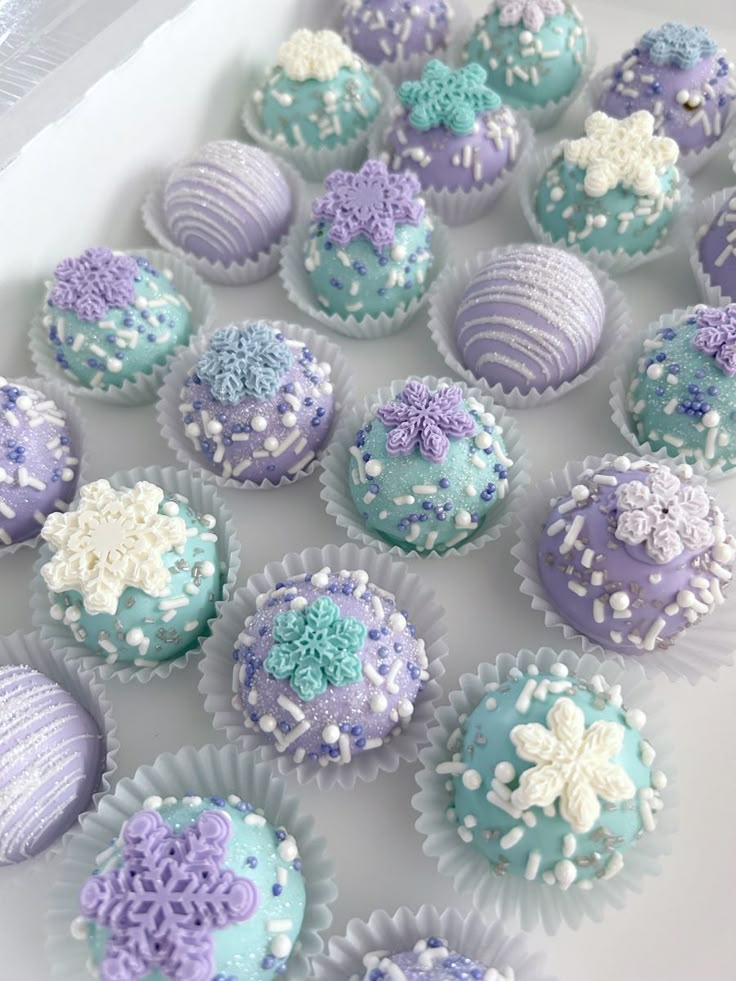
x: 112, y: 316
x: 368, y: 249
x: 428, y: 468
x: 552, y: 778
x: 682, y: 395
x: 614, y: 190
x: 238, y: 887
x: 319, y: 94
x: 135, y: 573
x: 533, y: 50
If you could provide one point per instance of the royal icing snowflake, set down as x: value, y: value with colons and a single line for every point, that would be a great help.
x: 678, y: 44
x: 532, y: 13
x: 94, y: 283
x: 448, y: 97
x: 716, y: 335
x: 315, y: 54
x: 246, y: 361
x: 427, y: 420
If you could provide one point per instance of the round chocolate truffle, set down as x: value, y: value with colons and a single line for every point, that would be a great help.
x: 227, y: 203
x: 391, y: 31
x: 531, y: 318
x: 717, y: 249
x: 635, y: 554
x: 51, y: 755
x: 428, y: 960
x: 41, y: 467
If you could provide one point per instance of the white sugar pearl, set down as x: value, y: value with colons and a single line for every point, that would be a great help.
x: 504, y: 771
x: 636, y: 719
x: 472, y: 780
x: 398, y: 253
x: 258, y: 423
x: 170, y: 508
x: 207, y: 569
x: 288, y: 419
x: 685, y: 598
x: 270, y: 444
x: 281, y: 946
x: 580, y: 492
x: 288, y: 850
x: 620, y: 601
x: 373, y: 468
x: 397, y: 622
x: 711, y: 419
x: 134, y: 637
x: 24, y: 402
x: 267, y: 723
x: 331, y: 734
x: 483, y: 440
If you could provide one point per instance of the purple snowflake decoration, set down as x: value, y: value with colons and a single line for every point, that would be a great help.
x: 94, y: 283
x: 716, y: 335
x: 166, y: 898
x: 420, y: 418
x: 369, y: 202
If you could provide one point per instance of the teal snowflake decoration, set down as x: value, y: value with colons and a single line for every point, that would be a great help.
x: 315, y: 647
x: 448, y: 97
x: 244, y: 361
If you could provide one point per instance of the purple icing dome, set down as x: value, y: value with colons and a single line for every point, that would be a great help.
x: 717, y: 249
x: 429, y: 960
x: 227, y: 203
x: 634, y: 554
x: 393, y: 30
x: 328, y: 666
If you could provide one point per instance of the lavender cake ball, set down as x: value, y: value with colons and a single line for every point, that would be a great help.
x: 227, y: 203
x: 452, y: 132
x: 257, y: 405
x: 40, y: 470
x: 51, y: 754
x: 390, y: 31
x: 531, y: 318
x: 717, y: 249
x: 635, y: 554
x: 679, y: 74
x: 328, y: 666
x: 429, y: 960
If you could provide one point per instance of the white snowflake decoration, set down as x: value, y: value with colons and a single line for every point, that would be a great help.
x: 621, y: 151
x: 315, y: 54
x: 533, y: 13
x: 572, y: 764
x: 112, y: 540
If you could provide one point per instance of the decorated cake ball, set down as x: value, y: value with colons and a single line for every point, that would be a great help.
x: 135, y: 573
x: 318, y: 94
x: 391, y: 31
x: 240, y: 894
x: 534, y: 50
x: 615, y: 189
x: 679, y: 74
x: 428, y: 960
x: 553, y: 779
x: 369, y: 246
x: 717, y: 249
x: 257, y: 405
x: 51, y: 760
x: 428, y: 468
x: 227, y: 203
x: 113, y: 316
x: 531, y: 318
x: 452, y: 132
x: 41, y: 466
x: 635, y: 554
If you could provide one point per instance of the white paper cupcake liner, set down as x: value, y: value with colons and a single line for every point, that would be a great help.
x: 28, y: 649
x: 411, y: 594
x: 143, y: 387
x: 615, y: 263
x: 64, y: 401
x: 444, y: 300
x: 465, y: 933
x: 234, y: 274
x: 535, y: 904
x: 206, y: 772
x: 172, y: 427
x: 704, y: 214
x: 205, y: 499
x: 698, y: 652
x: 335, y: 474
x: 299, y: 288
x: 732, y: 154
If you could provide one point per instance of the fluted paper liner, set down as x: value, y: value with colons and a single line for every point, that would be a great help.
x: 205, y: 499
x: 336, y: 472
x: 732, y: 154
x: 411, y: 594
x: 512, y: 897
x: 705, y: 213
x: 206, y: 772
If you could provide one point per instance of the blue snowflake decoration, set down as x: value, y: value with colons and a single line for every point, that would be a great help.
x: 448, y: 97
x: 245, y: 361
x: 678, y: 44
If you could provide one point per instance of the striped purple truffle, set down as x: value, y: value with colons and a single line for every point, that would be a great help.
x: 227, y: 203
x: 531, y: 318
x: 51, y: 755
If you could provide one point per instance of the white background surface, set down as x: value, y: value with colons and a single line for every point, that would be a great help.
x: 80, y: 183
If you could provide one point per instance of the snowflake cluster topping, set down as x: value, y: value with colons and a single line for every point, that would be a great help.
x: 94, y: 283
x: 425, y: 420
x: 163, y: 903
x: 532, y: 13
x: 315, y: 54
x: 448, y: 97
x: 716, y: 335
x: 369, y: 202
x: 678, y: 44
x: 621, y: 151
x: 245, y: 361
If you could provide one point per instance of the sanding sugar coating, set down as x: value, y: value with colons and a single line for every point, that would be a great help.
x: 40, y: 469
x: 635, y: 554
x: 328, y: 666
x: 717, y: 249
x: 531, y: 318
x: 394, y: 30
x: 241, y: 895
x: 227, y: 203
x: 51, y: 754
x: 428, y: 960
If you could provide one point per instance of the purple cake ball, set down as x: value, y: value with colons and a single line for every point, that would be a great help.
x: 227, y: 203
x: 393, y: 30
x: 51, y: 755
x: 257, y: 406
x: 428, y: 960
x: 717, y: 249
x: 531, y: 318
x: 40, y: 470
x: 328, y: 666
x: 634, y: 554
x: 679, y: 74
